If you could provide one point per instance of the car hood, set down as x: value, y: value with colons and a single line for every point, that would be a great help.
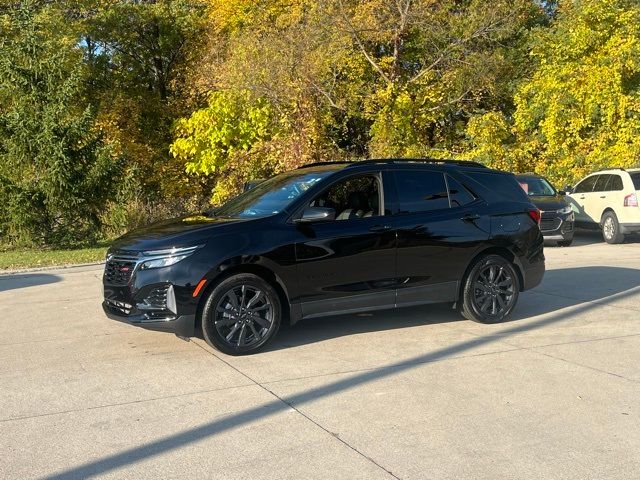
x: 546, y: 203
x: 177, y: 232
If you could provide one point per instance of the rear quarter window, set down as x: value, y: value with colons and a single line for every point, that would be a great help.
x: 501, y: 184
x: 635, y: 176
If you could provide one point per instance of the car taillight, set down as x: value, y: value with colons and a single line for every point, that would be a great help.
x: 535, y: 215
x: 631, y: 200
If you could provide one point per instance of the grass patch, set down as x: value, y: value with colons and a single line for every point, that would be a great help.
x: 34, y: 258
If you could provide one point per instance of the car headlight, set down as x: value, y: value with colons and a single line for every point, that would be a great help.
x: 565, y: 210
x: 165, y: 258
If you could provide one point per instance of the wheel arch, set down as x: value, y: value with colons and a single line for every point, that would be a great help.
x: 505, y: 253
x: 604, y: 212
x: 261, y: 271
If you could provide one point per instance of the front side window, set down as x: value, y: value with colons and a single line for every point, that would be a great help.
x: 586, y: 185
x: 353, y: 198
x: 421, y: 191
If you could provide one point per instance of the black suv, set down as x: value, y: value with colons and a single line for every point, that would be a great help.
x: 332, y: 238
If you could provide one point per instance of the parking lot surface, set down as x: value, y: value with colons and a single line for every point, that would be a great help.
x: 415, y: 393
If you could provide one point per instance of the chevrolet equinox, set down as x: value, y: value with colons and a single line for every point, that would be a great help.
x: 331, y: 238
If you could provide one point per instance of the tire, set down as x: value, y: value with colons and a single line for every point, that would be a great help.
x: 611, y: 231
x: 487, y: 298
x: 241, y: 303
x: 565, y: 243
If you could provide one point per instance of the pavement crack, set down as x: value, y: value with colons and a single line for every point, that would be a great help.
x: 302, y: 414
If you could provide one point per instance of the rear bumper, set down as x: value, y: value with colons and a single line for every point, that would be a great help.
x: 533, y: 275
x: 628, y: 228
x: 183, y: 325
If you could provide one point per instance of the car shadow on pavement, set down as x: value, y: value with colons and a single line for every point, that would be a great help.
x: 590, y: 281
x: 593, y: 284
x: 14, y: 282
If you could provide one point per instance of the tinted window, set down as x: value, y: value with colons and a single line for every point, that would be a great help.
x: 615, y: 183
x: 636, y: 180
x: 586, y: 185
x: 458, y: 195
x: 355, y: 197
x: 602, y: 183
x: 420, y: 191
x: 504, y: 185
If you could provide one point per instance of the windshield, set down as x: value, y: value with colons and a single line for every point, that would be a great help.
x: 536, y: 186
x: 271, y: 196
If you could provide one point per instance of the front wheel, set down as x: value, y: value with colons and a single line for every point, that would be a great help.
x: 490, y: 290
x: 241, y: 314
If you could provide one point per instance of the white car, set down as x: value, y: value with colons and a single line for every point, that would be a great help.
x: 608, y: 200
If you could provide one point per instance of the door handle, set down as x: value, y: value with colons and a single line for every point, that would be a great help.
x: 603, y: 196
x: 380, y: 228
x: 470, y: 217
x: 582, y: 197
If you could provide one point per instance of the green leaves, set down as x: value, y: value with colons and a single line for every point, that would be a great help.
x: 580, y: 109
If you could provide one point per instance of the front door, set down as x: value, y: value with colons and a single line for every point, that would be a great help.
x: 580, y: 199
x: 347, y: 264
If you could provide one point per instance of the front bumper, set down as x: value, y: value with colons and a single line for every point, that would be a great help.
x: 557, y: 227
x: 183, y: 325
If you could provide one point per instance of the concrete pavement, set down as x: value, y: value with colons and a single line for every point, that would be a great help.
x: 416, y: 393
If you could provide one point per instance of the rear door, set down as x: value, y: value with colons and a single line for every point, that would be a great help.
x: 439, y: 224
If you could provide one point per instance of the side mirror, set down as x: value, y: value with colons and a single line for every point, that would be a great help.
x: 317, y: 214
x: 562, y: 192
x: 567, y: 190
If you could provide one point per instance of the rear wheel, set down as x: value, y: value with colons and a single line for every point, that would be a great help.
x: 241, y: 314
x: 611, y: 230
x: 490, y: 290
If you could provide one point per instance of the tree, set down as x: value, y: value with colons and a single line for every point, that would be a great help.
x: 348, y: 78
x: 580, y: 110
x: 56, y: 169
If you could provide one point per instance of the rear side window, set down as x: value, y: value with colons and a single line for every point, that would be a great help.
x: 636, y: 180
x: 421, y: 191
x: 504, y: 185
x: 458, y: 195
x: 586, y: 185
x: 615, y: 183
x: 602, y: 184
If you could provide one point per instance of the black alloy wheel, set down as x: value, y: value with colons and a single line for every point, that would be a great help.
x: 241, y: 314
x: 490, y: 290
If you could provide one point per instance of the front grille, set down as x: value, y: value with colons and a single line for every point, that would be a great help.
x: 118, y: 272
x: 548, y: 224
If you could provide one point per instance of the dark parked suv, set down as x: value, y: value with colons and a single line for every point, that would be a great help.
x: 332, y: 238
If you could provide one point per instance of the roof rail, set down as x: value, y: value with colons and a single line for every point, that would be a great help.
x: 353, y: 163
x: 461, y: 163
x: 317, y: 164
